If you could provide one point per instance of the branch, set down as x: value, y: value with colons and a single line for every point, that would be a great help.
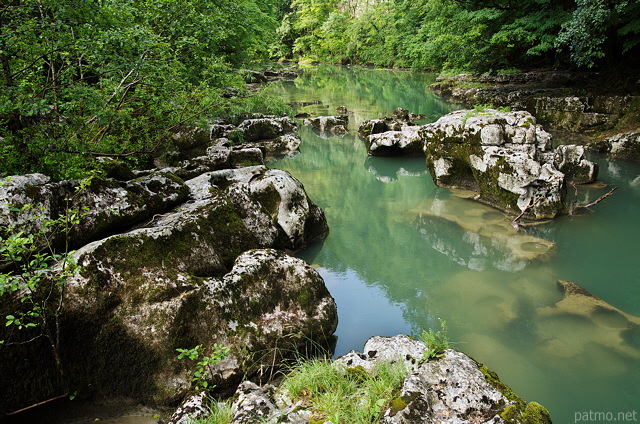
x: 600, y: 199
x: 37, y: 404
x: 514, y: 223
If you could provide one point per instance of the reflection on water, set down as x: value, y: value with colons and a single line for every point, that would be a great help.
x: 402, y: 253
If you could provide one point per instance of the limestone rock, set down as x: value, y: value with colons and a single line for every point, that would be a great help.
x: 452, y: 390
x: 625, y: 146
x: 571, y: 161
x: 400, y: 119
x: 192, y: 408
x: 406, y: 142
x: 601, y: 324
x: 110, y: 205
x: 505, y: 157
x: 269, y: 303
x: 328, y: 126
x: 265, y: 128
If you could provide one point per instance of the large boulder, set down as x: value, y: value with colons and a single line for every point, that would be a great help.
x: 137, y: 312
x: 506, y: 158
x: 452, y: 390
x: 197, y: 274
x: 400, y: 119
x: 105, y: 206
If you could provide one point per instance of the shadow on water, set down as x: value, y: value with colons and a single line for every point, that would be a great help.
x: 402, y: 253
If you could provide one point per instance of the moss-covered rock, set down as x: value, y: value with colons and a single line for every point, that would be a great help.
x: 506, y: 158
x: 105, y: 206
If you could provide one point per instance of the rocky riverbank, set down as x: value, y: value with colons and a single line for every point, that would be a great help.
x: 594, y: 109
x: 177, y: 257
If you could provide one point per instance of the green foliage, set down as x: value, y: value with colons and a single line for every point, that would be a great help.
x: 435, y: 341
x: 33, y: 273
x: 596, y: 26
x: 219, y: 413
x: 338, y: 396
x: 85, y: 78
x: 216, y: 353
x: 462, y: 35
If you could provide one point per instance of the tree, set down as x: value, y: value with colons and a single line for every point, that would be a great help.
x: 111, y: 77
x: 600, y: 28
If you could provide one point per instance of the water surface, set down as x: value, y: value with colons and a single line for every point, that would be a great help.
x: 403, y: 254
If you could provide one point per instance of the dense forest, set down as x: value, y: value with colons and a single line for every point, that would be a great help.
x: 462, y: 35
x: 86, y: 78
x: 94, y: 78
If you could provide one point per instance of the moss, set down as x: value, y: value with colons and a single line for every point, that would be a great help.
x: 269, y: 198
x: 397, y: 405
x: 535, y: 413
x: 494, y: 380
x: 510, y: 413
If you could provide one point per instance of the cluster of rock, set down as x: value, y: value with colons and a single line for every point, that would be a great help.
x: 392, y: 136
x: 546, y: 96
x: 623, y: 146
x: 329, y: 126
x: 175, y: 258
x: 258, y: 138
x: 505, y: 157
x: 450, y: 390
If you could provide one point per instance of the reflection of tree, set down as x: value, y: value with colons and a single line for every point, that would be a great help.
x: 367, y: 93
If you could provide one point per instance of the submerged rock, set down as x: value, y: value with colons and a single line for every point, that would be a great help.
x: 601, y: 325
x: 452, y: 390
x: 506, y: 158
x: 477, y: 236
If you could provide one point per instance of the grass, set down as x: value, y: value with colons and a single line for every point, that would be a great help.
x: 220, y: 413
x: 353, y: 396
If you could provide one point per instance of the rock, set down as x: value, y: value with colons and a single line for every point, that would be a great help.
x: 506, y: 158
x: 406, y: 142
x: 556, y: 99
x: 265, y: 128
x: 401, y: 118
x: 269, y: 304
x: 253, y: 403
x: 624, y: 146
x: 600, y: 324
x: 272, y: 204
x: 111, y: 206
x: 477, y: 236
x: 193, y: 407
x: 571, y: 161
x: 246, y: 156
x: 329, y: 126
x: 181, y: 279
x: 452, y: 390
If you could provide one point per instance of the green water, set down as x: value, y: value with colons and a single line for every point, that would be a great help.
x: 403, y: 253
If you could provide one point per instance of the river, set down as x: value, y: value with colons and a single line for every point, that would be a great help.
x: 394, y: 266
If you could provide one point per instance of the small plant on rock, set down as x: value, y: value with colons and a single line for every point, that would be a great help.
x: 203, y: 363
x: 435, y: 341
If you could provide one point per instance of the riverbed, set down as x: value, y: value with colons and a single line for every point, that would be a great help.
x: 404, y: 255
